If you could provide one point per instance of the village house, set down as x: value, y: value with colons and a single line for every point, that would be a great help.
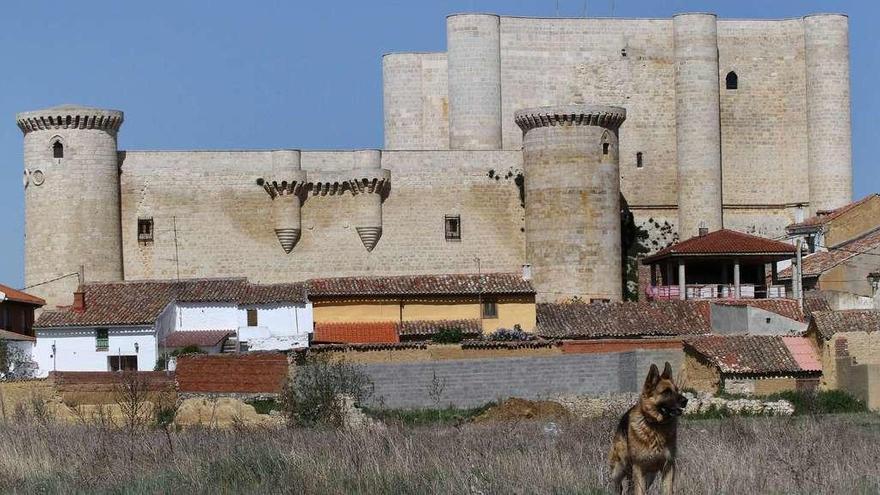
x: 130, y: 325
x: 723, y: 264
x: 411, y: 307
x: 848, y: 342
x: 749, y: 364
x: 844, y: 245
x: 16, y: 324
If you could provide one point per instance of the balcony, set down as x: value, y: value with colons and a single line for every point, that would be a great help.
x: 715, y: 291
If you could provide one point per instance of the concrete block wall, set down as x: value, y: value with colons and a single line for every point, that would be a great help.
x: 474, y: 382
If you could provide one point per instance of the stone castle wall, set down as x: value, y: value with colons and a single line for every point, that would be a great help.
x: 224, y: 224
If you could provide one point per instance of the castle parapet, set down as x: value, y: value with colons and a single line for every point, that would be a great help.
x: 70, y: 117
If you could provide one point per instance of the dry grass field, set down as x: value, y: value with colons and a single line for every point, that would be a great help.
x: 808, y: 454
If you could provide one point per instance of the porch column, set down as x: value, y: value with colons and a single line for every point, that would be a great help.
x: 653, y: 275
x: 682, y: 286
x: 773, y: 273
x: 736, y: 292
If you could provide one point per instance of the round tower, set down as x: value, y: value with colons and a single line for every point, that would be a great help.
x: 697, y: 123
x: 287, y: 191
x: 368, y: 187
x: 71, y: 199
x: 572, y: 187
x: 473, y: 43
x: 829, y: 145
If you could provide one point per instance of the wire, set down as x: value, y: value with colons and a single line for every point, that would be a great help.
x: 50, y: 281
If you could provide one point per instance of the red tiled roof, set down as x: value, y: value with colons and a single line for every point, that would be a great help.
x: 802, y: 352
x: 788, y: 308
x: 750, y: 354
x: 814, y: 301
x: 356, y: 332
x: 275, y: 293
x: 455, y: 284
x: 828, y: 323
x: 19, y: 296
x: 432, y: 327
x: 825, y: 217
x: 141, y: 302
x: 723, y: 242
x: 201, y: 338
x: 817, y: 263
x: 7, y: 335
x: 626, y: 319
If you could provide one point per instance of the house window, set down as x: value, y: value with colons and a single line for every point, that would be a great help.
x: 102, y: 339
x: 639, y: 160
x: 453, y: 227
x: 57, y: 150
x: 490, y: 309
x: 605, y: 147
x: 145, y: 230
x: 252, y: 317
x: 732, y: 80
x: 122, y: 363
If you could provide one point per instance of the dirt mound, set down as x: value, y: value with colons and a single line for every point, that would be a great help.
x: 220, y: 412
x: 523, y: 409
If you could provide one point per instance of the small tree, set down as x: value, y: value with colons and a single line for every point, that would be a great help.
x: 15, y: 363
x: 316, y: 393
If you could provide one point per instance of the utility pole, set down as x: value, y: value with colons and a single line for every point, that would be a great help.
x: 480, y: 293
x: 176, y: 253
x: 798, y: 275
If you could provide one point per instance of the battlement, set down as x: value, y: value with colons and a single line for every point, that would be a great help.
x: 598, y: 115
x: 70, y: 117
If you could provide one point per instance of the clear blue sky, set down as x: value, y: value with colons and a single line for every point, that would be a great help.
x: 295, y: 74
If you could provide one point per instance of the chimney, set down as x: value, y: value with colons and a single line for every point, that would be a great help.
x: 79, y: 301
x: 527, y: 272
x: 703, y: 229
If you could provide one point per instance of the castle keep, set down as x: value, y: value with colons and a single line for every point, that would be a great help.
x: 513, y: 147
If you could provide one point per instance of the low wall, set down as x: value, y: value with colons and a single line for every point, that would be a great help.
x: 476, y: 381
x: 101, y: 387
x: 252, y: 373
x: 862, y: 381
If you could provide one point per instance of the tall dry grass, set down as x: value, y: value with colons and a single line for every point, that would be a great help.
x: 833, y: 454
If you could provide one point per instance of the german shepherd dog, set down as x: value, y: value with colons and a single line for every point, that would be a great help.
x: 645, y: 440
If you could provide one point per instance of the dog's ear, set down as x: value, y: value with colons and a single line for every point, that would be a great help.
x: 653, y: 378
x: 667, y: 371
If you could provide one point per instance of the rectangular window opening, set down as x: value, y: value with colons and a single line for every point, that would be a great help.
x: 252, y: 317
x: 605, y: 147
x: 453, y: 227
x: 102, y: 339
x: 639, y: 160
x: 122, y: 363
x: 490, y: 309
x: 145, y: 230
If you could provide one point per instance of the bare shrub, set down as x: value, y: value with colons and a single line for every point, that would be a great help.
x: 315, y: 394
x: 15, y: 363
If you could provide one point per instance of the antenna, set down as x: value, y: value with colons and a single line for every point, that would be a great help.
x: 585, y: 8
x: 612, y: 8
x: 557, y: 8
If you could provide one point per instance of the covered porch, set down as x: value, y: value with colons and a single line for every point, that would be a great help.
x: 720, y: 265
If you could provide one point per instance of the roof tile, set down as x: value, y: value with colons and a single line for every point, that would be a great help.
x: 201, y: 338
x: 19, y: 296
x: 751, y: 354
x: 817, y: 263
x: 455, y: 284
x: 723, y: 242
x: 626, y: 319
x: 828, y: 323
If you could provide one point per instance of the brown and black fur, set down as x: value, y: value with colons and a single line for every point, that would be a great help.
x: 645, y: 440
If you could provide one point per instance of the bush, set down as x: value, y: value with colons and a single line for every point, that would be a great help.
x: 514, y: 335
x: 449, y: 336
x: 15, y: 363
x: 821, y: 402
x: 264, y: 406
x: 421, y: 417
x: 316, y: 392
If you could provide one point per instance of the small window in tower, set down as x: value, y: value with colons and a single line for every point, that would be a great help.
x: 453, y: 227
x: 732, y: 80
x: 639, y: 160
x: 605, y: 148
x: 57, y: 150
x: 145, y: 230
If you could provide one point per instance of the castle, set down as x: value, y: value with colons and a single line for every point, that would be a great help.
x: 513, y: 147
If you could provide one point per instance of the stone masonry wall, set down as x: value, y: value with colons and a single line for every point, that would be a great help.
x: 224, y: 226
x: 474, y: 382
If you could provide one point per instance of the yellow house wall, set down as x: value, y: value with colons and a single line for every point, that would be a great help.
x: 698, y: 375
x: 854, y: 223
x: 512, y: 310
x: 864, y: 347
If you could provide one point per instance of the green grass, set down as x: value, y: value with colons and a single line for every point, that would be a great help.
x: 422, y: 417
x: 823, y: 402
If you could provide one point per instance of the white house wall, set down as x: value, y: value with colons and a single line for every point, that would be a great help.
x: 207, y: 316
x: 75, y: 348
x: 279, y: 327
